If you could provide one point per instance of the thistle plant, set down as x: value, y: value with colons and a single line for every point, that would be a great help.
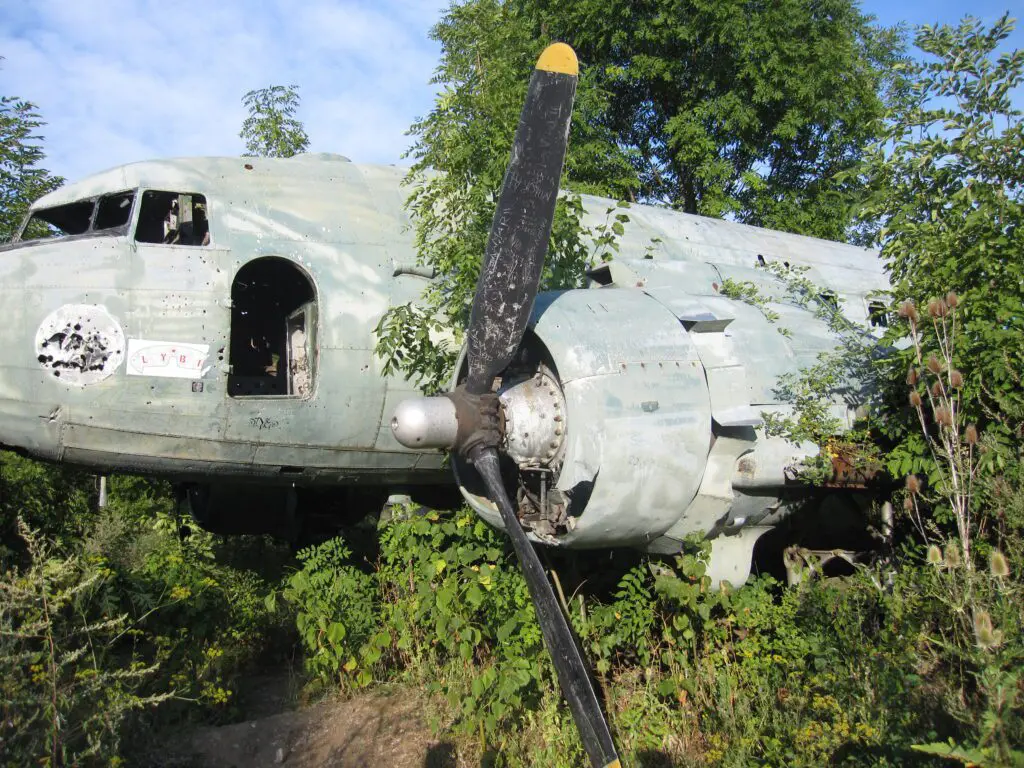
x: 936, y: 392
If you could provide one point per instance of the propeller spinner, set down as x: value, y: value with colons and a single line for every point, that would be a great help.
x: 467, y: 419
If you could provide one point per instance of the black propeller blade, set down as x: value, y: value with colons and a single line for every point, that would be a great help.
x: 573, y: 676
x: 504, y: 299
x: 514, y: 259
x: 468, y: 418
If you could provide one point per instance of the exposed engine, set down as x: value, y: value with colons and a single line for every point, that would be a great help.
x: 614, y: 438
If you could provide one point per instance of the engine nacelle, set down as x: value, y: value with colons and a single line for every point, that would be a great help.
x: 628, y: 422
x: 630, y: 445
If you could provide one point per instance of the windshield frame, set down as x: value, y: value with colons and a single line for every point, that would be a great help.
x: 94, y: 200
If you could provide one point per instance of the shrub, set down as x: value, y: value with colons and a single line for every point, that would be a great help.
x: 66, y: 681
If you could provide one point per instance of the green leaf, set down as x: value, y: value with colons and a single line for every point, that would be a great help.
x: 335, y: 632
x: 505, y: 631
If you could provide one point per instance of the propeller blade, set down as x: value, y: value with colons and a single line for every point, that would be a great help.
x: 505, y: 293
x: 514, y: 258
x: 572, y: 672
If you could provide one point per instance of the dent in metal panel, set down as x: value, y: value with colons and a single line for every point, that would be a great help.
x: 772, y: 464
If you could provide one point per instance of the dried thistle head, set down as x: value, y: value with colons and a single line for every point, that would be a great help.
x: 934, y: 365
x: 987, y: 636
x: 998, y: 564
x: 952, y: 300
x: 908, y: 504
x: 937, y: 388
x: 971, y: 434
x: 913, y: 484
x: 937, y: 308
x: 956, y: 379
x: 908, y: 311
x: 915, y: 398
x: 943, y: 416
x: 934, y: 555
x: 951, y: 556
x: 912, y: 376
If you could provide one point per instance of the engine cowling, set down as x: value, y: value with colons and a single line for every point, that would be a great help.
x: 610, y: 426
x: 632, y: 420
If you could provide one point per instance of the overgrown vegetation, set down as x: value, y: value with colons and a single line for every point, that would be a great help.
x: 111, y: 624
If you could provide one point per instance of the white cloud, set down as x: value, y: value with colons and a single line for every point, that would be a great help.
x: 125, y: 80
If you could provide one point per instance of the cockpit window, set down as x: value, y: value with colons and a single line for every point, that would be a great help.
x: 113, y: 211
x: 59, y: 221
x: 106, y: 215
x: 173, y: 218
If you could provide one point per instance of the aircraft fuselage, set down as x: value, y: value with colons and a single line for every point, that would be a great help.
x: 248, y: 352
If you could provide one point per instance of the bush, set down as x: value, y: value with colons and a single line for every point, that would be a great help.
x: 336, y: 608
x: 58, y: 501
x: 66, y: 680
x: 113, y: 624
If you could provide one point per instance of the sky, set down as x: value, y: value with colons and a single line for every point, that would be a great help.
x: 124, y: 80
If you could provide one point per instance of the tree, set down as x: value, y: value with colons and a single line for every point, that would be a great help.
x: 947, y: 187
x: 460, y: 151
x: 736, y: 107
x: 21, y: 179
x: 271, y: 129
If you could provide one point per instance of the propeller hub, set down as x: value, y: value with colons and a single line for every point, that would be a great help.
x: 425, y: 422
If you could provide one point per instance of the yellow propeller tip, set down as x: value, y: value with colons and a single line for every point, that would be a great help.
x: 559, y: 57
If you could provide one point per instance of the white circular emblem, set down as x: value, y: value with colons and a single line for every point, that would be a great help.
x: 80, y: 344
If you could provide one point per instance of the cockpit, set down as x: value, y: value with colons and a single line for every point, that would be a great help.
x: 170, y: 218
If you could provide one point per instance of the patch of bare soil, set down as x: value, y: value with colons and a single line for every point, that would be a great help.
x: 374, y: 729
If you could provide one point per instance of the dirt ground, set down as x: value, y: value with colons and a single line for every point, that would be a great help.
x: 366, y: 731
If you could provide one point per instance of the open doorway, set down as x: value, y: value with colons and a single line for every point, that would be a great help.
x: 273, y: 321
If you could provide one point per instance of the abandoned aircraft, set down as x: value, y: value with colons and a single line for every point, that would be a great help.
x: 211, y: 320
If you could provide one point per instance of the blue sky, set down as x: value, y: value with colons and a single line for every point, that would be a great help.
x: 124, y: 80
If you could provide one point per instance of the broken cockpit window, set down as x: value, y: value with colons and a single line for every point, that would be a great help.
x: 114, y: 212
x: 173, y: 218
x: 59, y: 221
x: 105, y: 215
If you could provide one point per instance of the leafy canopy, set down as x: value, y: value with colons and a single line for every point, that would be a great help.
x: 271, y: 129
x: 947, y: 186
x: 21, y: 179
x: 733, y: 107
